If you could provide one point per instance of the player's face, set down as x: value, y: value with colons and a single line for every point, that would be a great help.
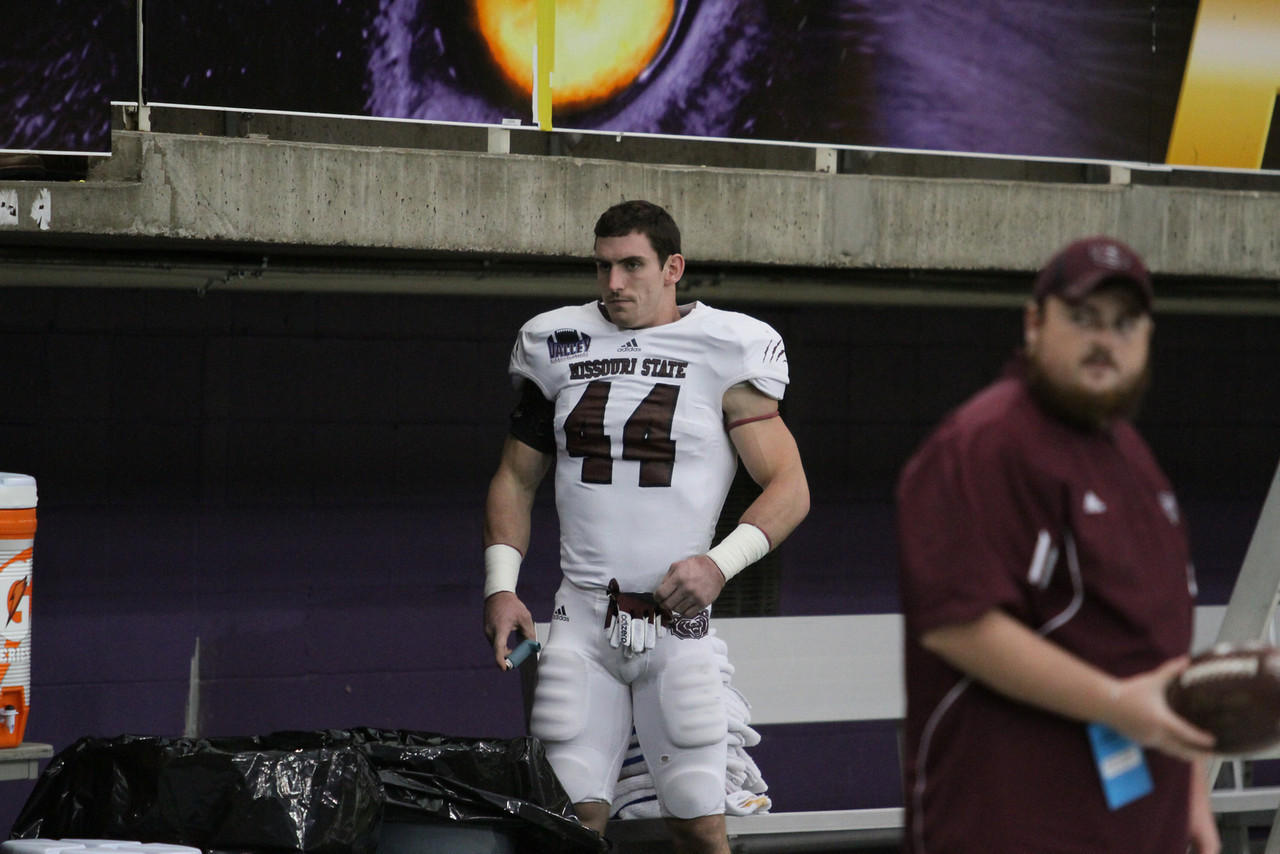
x: 636, y: 289
x: 1094, y: 350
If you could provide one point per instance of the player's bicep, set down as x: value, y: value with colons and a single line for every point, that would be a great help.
x: 523, y: 464
x: 767, y: 449
x: 758, y: 434
x: 509, y: 504
x: 744, y: 403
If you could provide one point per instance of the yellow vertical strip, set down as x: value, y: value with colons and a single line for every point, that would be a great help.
x: 544, y: 62
x: 1229, y: 87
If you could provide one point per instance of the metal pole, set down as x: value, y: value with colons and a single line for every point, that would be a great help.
x: 1253, y: 599
x: 144, y: 112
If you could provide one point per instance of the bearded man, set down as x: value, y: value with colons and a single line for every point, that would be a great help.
x: 1048, y: 594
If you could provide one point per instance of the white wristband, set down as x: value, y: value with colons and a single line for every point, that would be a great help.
x: 745, y: 545
x: 501, y: 568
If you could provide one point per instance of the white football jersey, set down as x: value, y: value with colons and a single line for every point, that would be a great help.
x: 643, y: 459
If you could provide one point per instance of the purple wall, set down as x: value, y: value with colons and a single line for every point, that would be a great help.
x: 297, y: 481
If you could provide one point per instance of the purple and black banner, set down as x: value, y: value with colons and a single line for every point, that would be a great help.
x: 1073, y: 79
x: 61, y: 64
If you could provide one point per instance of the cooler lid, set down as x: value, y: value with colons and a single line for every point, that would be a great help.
x: 17, y: 490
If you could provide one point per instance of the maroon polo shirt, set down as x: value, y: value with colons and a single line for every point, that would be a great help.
x: 1077, y: 535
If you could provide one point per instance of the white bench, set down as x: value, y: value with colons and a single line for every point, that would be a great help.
x: 796, y: 670
x: 799, y: 670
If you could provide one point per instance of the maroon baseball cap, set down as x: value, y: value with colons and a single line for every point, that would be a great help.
x: 1078, y: 268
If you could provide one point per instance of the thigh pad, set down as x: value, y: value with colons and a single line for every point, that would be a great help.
x: 691, y: 699
x: 559, y: 707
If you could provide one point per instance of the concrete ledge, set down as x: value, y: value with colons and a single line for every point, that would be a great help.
x: 310, y: 196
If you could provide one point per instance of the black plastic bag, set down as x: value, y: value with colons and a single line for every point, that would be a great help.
x: 207, y: 793
x: 323, y: 792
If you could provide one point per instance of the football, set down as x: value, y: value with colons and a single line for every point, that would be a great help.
x: 1232, y: 691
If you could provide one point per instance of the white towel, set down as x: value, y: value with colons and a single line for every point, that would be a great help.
x: 744, y: 735
x: 736, y: 706
x: 630, y: 786
x: 754, y: 780
x: 633, y: 761
x: 639, y: 806
x: 746, y: 803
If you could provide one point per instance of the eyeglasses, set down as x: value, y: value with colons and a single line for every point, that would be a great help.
x: 1088, y: 318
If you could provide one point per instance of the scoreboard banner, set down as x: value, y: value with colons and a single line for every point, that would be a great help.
x: 1139, y: 81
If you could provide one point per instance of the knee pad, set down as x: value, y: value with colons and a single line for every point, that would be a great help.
x: 692, y: 793
x: 692, y: 702
x: 559, y: 701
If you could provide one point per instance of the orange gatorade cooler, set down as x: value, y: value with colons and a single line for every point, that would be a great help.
x: 17, y: 536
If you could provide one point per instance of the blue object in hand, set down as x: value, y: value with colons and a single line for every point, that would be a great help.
x: 522, y: 651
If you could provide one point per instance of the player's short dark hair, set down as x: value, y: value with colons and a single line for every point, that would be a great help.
x: 645, y: 218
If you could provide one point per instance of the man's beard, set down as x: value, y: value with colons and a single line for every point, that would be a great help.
x: 1089, y: 410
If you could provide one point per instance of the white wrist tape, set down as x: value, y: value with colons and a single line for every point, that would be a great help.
x: 745, y: 545
x: 501, y: 568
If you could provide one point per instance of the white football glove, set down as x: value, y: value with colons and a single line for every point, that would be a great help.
x: 634, y: 621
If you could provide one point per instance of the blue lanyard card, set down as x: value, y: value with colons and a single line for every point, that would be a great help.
x: 1122, y: 766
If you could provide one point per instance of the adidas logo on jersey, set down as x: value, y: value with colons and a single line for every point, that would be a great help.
x: 561, y: 614
x: 630, y: 347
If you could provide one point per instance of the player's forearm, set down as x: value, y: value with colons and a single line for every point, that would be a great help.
x: 783, y: 504
x: 1010, y: 658
x: 508, y: 511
